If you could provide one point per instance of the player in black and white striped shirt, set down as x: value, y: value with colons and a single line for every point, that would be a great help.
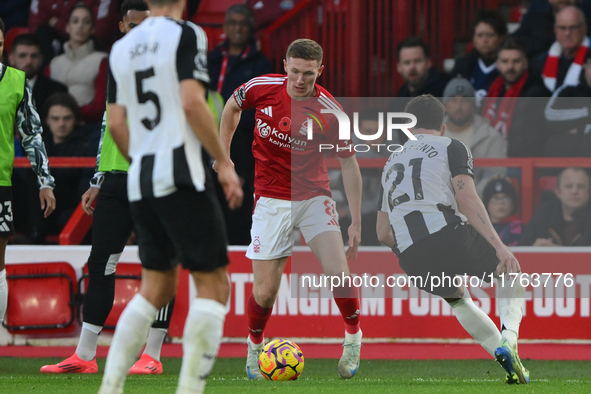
x: 428, y: 198
x: 159, y: 118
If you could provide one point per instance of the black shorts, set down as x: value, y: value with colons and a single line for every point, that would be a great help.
x: 454, y: 250
x: 6, y: 217
x: 185, y: 227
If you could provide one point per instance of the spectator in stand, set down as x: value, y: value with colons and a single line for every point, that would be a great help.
x: 414, y: 65
x: 562, y: 64
x: 537, y: 28
x: 500, y: 200
x: 61, y: 116
x: 565, y: 220
x: 513, y: 104
x: 234, y: 62
x: 82, y: 68
x: 569, y: 118
x: 479, y: 66
x: 25, y: 55
x: 46, y: 19
x: 465, y: 125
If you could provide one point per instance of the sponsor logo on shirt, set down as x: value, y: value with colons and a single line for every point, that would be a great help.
x: 268, y: 111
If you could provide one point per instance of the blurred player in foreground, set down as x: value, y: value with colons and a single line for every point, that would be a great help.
x: 111, y: 228
x: 159, y: 118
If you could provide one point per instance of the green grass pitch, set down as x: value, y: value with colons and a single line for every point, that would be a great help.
x: 21, y: 375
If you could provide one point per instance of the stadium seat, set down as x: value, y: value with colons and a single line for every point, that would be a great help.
x: 127, y: 284
x: 212, y: 12
x: 12, y: 34
x: 76, y: 228
x: 41, y: 298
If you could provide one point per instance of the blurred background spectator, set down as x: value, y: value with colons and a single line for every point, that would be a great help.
x: 562, y: 64
x: 479, y: 65
x: 564, y: 220
x: 47, y: 20
x: 536, y: 30
x: 512, y: 99
x: 234, y: 62
x: 464, y: 124
x: 64, y: 137
x: 82, y: 68
x: 569, y: 118
x: 500, y: 199
x: 415, y: 67
x: 25, y: 55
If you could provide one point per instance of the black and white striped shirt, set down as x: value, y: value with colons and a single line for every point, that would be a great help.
x: 146, y: 67
x: 417, y: 192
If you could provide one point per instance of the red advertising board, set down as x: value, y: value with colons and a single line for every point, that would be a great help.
x: 557, y: 304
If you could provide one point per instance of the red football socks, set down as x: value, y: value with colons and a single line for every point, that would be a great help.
x: 349, y: 308
x: 257, y: 320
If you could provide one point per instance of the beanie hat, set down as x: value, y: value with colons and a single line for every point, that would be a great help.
x: 458, y: 87
x: 500, y: 184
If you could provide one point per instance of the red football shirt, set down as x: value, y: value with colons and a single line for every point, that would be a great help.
x: 288, y: 166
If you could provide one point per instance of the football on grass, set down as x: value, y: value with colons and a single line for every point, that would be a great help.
x: 281, y: 360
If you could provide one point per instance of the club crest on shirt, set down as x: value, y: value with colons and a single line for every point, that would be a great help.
x: 201, y: 61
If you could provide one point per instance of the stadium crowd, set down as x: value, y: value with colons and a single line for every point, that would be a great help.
x: 520, y: 94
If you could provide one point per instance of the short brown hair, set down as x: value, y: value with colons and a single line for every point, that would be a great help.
x: 428, y: 110
x: 306, y: 49
x: 63, y: 99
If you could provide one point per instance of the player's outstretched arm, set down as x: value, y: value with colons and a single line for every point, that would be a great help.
x: 472, y: 207
x: 229, y: 121
x: 203, y: 125
x: 352, y: 182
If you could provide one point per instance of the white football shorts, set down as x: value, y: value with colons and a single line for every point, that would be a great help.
x: 273, y: 222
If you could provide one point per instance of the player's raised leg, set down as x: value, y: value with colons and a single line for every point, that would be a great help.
x: 328, y: 247
x: 267, y: 279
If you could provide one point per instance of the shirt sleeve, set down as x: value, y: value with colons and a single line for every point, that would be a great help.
x: 97, y: 179
x: 245, y: 98
x: 460, y: 159
x: 383, y: 200
x: 191, y: 57
x: 28, y: 124
x: 111, y: 87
